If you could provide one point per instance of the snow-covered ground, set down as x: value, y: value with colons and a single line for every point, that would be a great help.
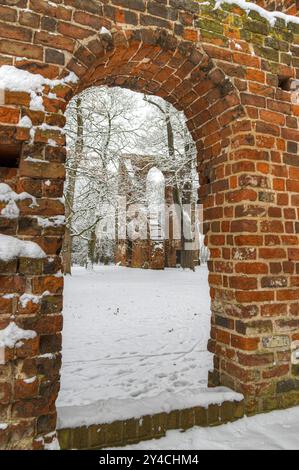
x: 278, y: 430
x: 132, y: 334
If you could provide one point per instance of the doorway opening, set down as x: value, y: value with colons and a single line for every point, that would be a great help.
x: 137, y: 304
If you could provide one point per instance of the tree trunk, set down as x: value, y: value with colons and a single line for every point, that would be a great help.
x: 92, y: 249
x: 70, y: 192
x: 67, y: 251
x: 187, y: 256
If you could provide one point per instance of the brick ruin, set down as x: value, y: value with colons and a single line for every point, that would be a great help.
x: 162, y: 247
x: 136, y: 253
x: 234, y: 75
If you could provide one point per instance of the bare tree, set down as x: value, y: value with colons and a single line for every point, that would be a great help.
x: 100, y: 127
x: 103, y: 126
x: 179, y: 176
x: 74, y: 159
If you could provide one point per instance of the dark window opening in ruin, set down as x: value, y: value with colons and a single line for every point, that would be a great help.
x: 10, y: 155
x: 285, y: 83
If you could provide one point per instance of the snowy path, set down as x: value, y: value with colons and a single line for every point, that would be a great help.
x: 133, y: 334
x: 278, y: 430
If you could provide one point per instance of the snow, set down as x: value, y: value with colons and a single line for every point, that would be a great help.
x: 270, y: 16
x: 131, y: 335
x: 278, y: 430
x: 56, y: 221
x: 9, y: 296
x: 48, y: 127
x: 108, y: 411
x: 155, y: 176
x: 11, y: 210
x: 36, y: 102
x: 35, y: 160
x: 25, y: 122
x: 32, y: 134
x: 47, y: 356
x: 14, y: 79
x: 11, y: 248
x: 105, y: 32
x: 12, y: 334
x: 30, y: 381
x: 26, y: 298
x: 53, y: 444
x: 7, y: 195
x: 70, y: 78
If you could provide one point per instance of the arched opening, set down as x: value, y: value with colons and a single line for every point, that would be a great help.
x: 153, y: 63
x: 129, y: 340
x: 157, y: 64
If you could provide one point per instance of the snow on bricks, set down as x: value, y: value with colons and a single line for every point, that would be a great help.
x: 232, y: 70
x: 11, y: 248
x: 12, y: 336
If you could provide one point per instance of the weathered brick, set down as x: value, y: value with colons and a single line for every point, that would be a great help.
x: 20, y: 49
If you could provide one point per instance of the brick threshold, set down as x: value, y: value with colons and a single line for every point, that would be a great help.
x: 132, y: 431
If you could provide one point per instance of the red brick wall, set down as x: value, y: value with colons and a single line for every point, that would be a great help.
x: 288, y: 6
x: 227, y: 71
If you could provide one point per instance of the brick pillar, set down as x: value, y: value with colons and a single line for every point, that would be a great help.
x: 29, y: 378
x: 254, y: 264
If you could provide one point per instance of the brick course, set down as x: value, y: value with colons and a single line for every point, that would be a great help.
x: 125, y: 432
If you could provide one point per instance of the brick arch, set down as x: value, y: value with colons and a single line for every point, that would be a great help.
x: 156, y: 62
x: 233, y: 75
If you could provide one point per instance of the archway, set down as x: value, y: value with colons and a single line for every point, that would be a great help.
x: 130, y: 333
x: 156, y: 62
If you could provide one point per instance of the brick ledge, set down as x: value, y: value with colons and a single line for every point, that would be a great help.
x: 132, y: 431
